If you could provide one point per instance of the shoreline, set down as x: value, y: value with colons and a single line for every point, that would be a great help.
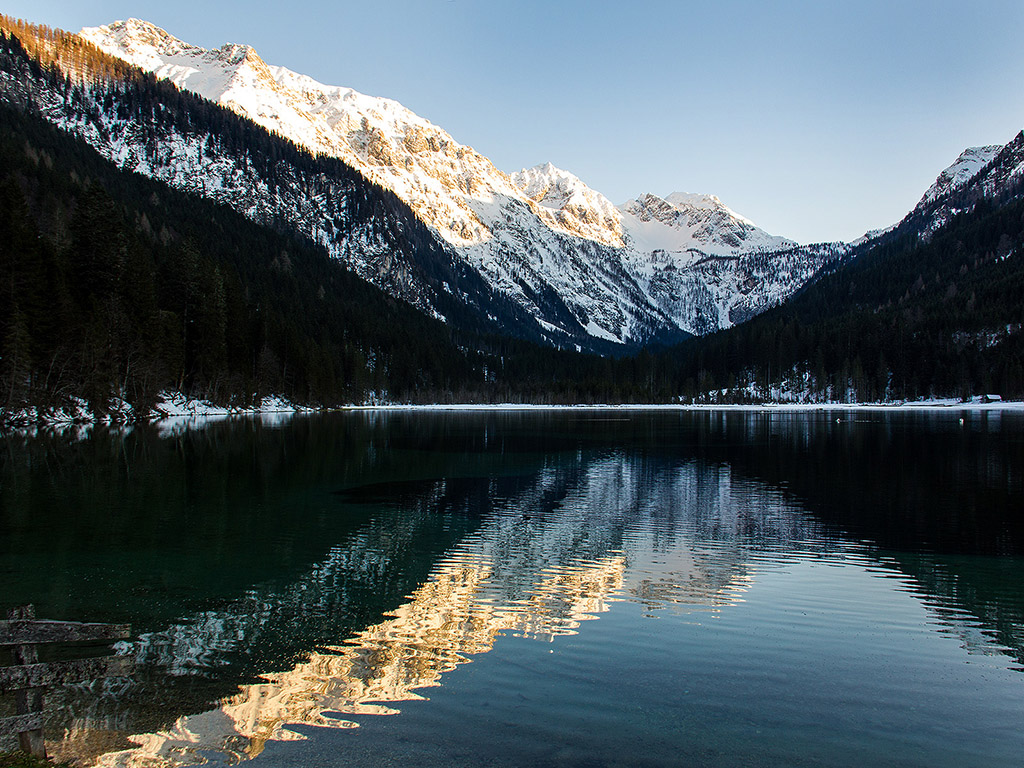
x: 937, y: 405
x: 175, y: 413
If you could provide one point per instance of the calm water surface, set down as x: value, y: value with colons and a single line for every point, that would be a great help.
x: 570, y: 588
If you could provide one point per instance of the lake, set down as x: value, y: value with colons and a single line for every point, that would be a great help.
x: 541, y: 588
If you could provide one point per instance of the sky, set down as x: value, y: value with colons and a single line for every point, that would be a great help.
x: 817, y: 120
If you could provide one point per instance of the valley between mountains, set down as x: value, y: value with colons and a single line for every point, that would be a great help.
x: 533, y: 257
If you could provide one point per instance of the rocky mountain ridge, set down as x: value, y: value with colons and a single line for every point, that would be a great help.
x: 988, y: 172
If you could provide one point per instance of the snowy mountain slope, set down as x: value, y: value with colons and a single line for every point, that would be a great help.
x: 963, y: 169
x: 1004, y: 171
x: 451, y: 187
x: 683, y: 223
x: 979, y: 172
x: 542, y: 238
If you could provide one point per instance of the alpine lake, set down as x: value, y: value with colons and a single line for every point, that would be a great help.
x: 533, y: 588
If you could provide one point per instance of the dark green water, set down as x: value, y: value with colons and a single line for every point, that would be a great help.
x: 570, y: 588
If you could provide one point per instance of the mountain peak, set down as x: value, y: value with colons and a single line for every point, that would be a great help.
x: 963, y: 169
x: 549, y: 185
x: 684, y: 200
x: 149, y: 47
x: 573, y: 206
x: 234, y: 54
x: 138, y: 40
x: 685, y: 221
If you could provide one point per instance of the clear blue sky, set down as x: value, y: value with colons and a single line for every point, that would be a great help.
x: 818, y: 120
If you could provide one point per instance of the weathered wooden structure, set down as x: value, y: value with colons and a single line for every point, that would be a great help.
x: 29, y: 679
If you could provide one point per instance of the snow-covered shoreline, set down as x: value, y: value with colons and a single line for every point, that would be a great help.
x: 945, y: 404
x: 174, y: 413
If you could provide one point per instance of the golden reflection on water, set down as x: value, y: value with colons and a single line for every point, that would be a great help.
x: 448, y: 619
x: 516, y: 575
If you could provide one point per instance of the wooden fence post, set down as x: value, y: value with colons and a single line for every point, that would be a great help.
x: 29, y: 679
x: 28, y: 700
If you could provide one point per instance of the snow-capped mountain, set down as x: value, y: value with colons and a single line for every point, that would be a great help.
x: 540, y: 237
x: 963, y: 169
x: 683, y: 223
x: 979, y: 172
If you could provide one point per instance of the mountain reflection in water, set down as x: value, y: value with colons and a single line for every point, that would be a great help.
x: 546, y: 559
x: 368, y: 556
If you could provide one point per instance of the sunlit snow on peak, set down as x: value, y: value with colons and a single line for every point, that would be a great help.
x: 577, y: 209
x: 684, y: 222
x: 684, y: 200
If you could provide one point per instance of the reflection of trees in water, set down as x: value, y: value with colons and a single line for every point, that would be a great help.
x: 979, y: 600
x: 912, y: 481
x: 939, y: 495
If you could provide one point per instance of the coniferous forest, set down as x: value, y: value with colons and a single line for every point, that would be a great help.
x: 904, y: 320
x: 117, y: 287
x: 115, y: 284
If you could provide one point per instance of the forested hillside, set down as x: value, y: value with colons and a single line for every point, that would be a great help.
x: 914, y: 315
x: 117, y: 285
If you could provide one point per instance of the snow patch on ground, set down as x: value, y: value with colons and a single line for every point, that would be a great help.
x: 179, y: 415
x: 173, y: 413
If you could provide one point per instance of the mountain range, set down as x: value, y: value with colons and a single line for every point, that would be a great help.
x: 583, y: 270
x: 652, y: 269
x: 535, y: 255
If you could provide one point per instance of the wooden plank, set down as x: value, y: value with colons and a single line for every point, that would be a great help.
x: 12, y: 726
x: 25, y: 654
x: 29, y: 701
x: 25, y: 632
x: 59, y: 672
x: 29, y: 679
